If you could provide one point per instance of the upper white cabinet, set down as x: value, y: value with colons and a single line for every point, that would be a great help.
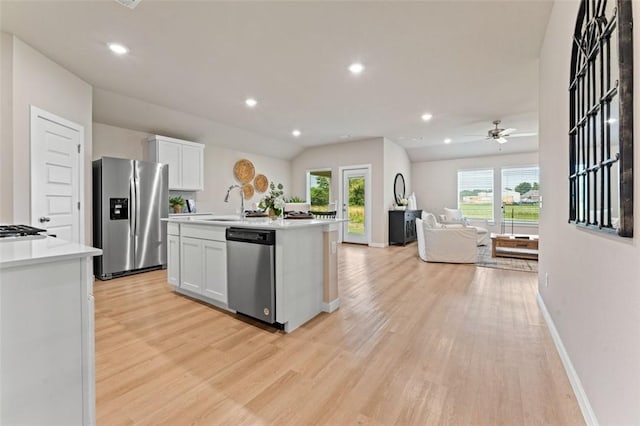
x: 185, y: 160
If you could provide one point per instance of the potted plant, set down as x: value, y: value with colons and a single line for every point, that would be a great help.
x: 273, y: 201
x: 402, y: 204
x: 177, y: 204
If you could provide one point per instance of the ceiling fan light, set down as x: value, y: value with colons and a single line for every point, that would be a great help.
x: 501, y: 140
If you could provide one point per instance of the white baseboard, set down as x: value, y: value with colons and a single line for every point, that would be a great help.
x: 377, y: 245
x: 331, y: 306
x: 574, y: 379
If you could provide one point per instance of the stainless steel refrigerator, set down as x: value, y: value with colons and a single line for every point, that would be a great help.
x: 129, y: 199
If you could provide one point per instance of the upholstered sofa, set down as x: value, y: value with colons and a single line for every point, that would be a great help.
x: 445, y: 243
x: 454, y: 216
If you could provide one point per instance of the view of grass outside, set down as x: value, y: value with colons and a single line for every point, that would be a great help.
x: 356, y: 205
x: 475, y: 193
x: 519, y: 212
x: 521, y: 194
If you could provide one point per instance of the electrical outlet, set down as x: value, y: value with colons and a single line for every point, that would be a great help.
x: 546, y: 279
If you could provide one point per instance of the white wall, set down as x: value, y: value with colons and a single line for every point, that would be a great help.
x: 111, y: 141
x: 218, y: 176
x: 436, y: 182
x: 370, y: 151
x: 396, y: 160
x: 36, y: 80
x: 218, y: 166
x: 594, y: 279
x: 6, y: 128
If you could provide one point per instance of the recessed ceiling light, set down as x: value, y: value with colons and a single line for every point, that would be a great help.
x: 426, y: 116
x: 251, y: 102
x: 296, y: 133
x: 118, y: 48
x: 447, y: 140
x: 356, y: 68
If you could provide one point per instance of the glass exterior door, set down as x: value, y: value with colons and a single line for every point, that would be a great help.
x: 355, y: 203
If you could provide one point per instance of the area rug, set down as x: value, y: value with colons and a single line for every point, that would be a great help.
x: 485, y: 260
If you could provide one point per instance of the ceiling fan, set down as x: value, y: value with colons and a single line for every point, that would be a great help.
x: 500, y: 135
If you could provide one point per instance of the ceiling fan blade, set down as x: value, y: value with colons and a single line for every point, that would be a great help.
x: 522, y: 135
x: 507, y: 132
x: 501, y: 140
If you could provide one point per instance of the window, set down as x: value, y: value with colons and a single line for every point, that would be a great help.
x: 475, y: 193
x: 521, y: 194
x: 319, y: 189
x: 601, y: 118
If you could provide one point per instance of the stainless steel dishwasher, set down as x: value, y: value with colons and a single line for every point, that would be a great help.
x: 251, y: 272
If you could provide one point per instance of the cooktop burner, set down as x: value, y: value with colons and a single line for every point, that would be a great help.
x: 18, y: 230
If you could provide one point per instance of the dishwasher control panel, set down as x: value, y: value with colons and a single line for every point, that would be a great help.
x: 255, y: 236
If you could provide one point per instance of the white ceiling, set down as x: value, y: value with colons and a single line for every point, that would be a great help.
x: 466, y: 62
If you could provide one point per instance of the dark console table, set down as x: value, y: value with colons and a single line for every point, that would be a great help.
x: 402, y: 226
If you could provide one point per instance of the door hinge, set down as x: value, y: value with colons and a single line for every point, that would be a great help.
x: 78, y: 205
x: 78, y: 148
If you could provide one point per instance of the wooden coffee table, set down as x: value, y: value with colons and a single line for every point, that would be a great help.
x: 517, y: 246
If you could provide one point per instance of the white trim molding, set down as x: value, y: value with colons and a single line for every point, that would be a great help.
x: 574, y: 379
x: 331, y: 306
x: 378, y: 245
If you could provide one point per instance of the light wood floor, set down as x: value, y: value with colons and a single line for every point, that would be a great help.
x: 412, y: 343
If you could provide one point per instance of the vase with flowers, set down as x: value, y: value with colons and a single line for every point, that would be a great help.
x: 273, y: 202
x: 402, y: 204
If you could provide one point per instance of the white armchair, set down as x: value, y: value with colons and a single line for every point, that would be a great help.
x: 446, y: 243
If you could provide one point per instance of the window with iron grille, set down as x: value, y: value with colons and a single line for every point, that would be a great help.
x: 601, y: 118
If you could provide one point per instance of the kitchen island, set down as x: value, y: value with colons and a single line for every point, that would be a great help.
x: 46, y: 332
x: 305, y: 263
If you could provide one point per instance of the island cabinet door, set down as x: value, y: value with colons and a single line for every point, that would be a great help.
x: 173, y: 257
x: 191, y: 264
x: 215, y: 270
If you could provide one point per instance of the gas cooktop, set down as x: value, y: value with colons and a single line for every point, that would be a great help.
x: 19, y: 230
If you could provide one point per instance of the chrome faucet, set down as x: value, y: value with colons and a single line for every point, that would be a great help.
x: 226, y: 199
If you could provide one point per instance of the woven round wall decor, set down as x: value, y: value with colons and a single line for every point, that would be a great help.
x: 261, y: 183
x: 247, y: 191
x: 244, y: 171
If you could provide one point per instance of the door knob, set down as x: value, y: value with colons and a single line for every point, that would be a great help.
x: 44, y: 219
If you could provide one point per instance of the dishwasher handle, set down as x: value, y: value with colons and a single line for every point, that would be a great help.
x: 252, y: 236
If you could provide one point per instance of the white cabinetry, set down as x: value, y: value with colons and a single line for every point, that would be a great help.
x: 191, y: 264
x: 203, y: 266
x: 185, y: 160
x: 47, y: 373
x: 173, y: 254
x: 214, y: 254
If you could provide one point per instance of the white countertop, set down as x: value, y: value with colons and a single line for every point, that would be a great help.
x: 254, y: 222
x: 18, y: 252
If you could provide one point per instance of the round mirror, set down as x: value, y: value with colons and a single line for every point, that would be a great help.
x: 398, y: 187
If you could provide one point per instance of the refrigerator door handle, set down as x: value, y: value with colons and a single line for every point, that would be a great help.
x: 137, y: 184
x: 132, y: 206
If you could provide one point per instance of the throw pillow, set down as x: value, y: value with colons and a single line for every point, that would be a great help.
x: 453, y: 214
x: 429, y: 220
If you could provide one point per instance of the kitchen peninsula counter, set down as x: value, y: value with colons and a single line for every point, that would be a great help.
x: 306, y: 279
x: 254, y: 222
x: 40, y: 249
x: 47, y: 371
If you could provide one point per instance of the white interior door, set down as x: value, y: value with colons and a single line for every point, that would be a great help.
x: 355, y: 202
x: 56, y: 170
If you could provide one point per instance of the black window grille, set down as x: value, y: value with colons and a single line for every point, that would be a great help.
x: 601, y: 118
